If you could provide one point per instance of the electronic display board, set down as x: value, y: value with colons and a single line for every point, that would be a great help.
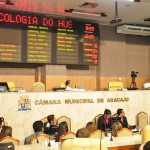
x: 36, y: 38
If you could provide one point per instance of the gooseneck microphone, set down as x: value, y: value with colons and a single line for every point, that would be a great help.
x: 49, y: 126
x: 37, y: 141
x: 111, y: 139
x: 101, y: 128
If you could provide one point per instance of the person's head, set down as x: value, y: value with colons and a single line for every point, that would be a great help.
x: 107, y: 113
x: 83, y: 133
x: 63, y: 128
x: 120, y: 112
x: 91, y: 127
x: 6, y: 131
x: 117, y: 126
x: 67, y: 83
x: 38, y: 126
x: 51, y: 119
x: 146, y: 146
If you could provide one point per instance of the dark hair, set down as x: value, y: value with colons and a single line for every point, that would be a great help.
x: 147, y: 146
x: 67, y: 82
x: 119, y: 111
x: 1, y: 120
x: 50, y: 118
x: 91, y: 126
x: 63, y: 128
x: 6, y: 131
x: 83, y: 133
x: 107, y: 112
x: 37, y: 126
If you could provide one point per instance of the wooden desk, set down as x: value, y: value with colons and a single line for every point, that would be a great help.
x: 129, y: 147
x: 124, y: 143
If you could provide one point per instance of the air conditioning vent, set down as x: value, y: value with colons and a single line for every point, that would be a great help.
x: 134, y: 30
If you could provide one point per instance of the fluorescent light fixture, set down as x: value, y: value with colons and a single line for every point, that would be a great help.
x: 86, y: 13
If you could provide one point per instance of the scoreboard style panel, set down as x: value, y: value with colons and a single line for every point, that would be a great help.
x: 36, y: 38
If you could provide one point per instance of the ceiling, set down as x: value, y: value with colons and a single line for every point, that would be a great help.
x: 129, y: 12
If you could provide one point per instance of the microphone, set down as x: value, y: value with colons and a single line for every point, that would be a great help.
x: 111, y: 139
x: 101, y: 128
x: 105, y: 129
x: 49, y: 126
x: 37, y: 141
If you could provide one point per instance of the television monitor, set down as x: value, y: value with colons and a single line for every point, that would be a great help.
x: 7, y: 146
x: 54, y: 129
x: 51, y: 130
x: 4, y: 87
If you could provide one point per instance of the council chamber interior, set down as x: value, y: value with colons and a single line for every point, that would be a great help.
x: 50, y: 42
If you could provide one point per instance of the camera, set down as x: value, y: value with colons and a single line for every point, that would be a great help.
x: 134, y: 74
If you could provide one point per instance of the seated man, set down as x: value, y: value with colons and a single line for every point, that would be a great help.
x: 68, y: 85
x: 104, y: 122
x: 121, y: 114
x: 38, y: 129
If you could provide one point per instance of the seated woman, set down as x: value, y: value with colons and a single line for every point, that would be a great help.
x: 63, y: 128
x: 6, y: 131
x: 115, y: 128
x: 83, y: 133
x: 51, y: 121
x: 91, y: 127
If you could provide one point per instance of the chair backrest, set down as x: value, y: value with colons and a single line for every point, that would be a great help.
x: 62, y: 85
x: 38, y: 87
x: 10, y: 139
x: 68, y: 135
x: 96, y: 119
x: 44, y: 120
x: 79, y: 86
x: 64, y: 118
x: 40, y: 138
x: 11, y: 86
x: 83, y: 144
x: 145, y: 134
x: 124, y: 132
x: 142, y: 119
x: 115, y: 85
x: 98, y: 134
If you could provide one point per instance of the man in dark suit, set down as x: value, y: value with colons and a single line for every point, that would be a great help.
x: 104, y: 122
x: 124, y: 121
